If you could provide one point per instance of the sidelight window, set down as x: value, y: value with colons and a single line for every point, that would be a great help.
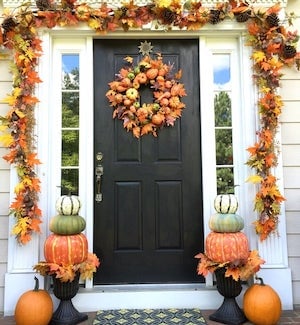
x: 70, y: 124
x: 223, y: 122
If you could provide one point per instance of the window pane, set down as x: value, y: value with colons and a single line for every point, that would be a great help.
x: 222, y: 104
x: 224, y: 153
x: 70, y: 148
x: 70, y: 109
x: 69, y: 181
x: 225, y: 180
x: 221, y: 70
x: 70, y: 71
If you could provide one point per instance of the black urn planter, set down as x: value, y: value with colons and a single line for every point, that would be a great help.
x: 66, y: 313
x: 229, y: 312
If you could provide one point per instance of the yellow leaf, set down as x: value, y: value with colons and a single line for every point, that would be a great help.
x: 258, y: 56
x: 3, y: 127
x: 19, y: 113
x: 19, y: 187
x: 94, y: 23
x: 6, y: 139
x: 254, y: 179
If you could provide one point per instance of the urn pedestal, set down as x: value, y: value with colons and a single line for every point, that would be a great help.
x: 66, y: 313
x: 229, y: 312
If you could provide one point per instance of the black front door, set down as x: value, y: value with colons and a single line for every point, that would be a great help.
x: 149, y: 224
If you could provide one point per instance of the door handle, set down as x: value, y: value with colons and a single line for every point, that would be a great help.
x: 99, y: 174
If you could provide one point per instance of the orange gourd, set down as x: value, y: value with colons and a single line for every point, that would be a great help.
x: 227, y: 247
x: 72, y: 249
x: 261, y: 304
x: 34, y: 307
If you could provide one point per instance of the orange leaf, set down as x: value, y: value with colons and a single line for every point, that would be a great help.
x: 148, y: 128
x: 32, y: 160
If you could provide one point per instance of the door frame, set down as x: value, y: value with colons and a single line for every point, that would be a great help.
x: 57, y: 45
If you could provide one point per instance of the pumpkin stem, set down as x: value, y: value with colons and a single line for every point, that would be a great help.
x: 261, y: 280
x: 37, y: 284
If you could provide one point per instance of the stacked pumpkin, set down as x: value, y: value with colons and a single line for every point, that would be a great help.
x: 226, y: 243
x: 67, y: 245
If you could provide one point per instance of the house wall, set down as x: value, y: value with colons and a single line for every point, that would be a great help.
x: 291, y: 161
x: 5, y: 86
x: 290, y: 133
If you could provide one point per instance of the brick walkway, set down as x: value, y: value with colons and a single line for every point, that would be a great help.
x: 288, y: 317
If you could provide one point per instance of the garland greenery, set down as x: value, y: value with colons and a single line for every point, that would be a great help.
x: 274, y: 47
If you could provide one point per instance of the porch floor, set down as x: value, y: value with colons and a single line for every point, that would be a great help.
x: 288, y: 317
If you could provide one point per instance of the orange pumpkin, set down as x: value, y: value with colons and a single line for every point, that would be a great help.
x: 261, y: 304
x: 72, y: 249
x: 227, y: 247
x: 152, y: 73
x: 34, y: 307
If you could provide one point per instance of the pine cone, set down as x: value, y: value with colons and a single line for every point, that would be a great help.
x: 123, y: 12
x: 43, y: 5
x: 243, y: 16
x: 214, y: 16
x: 8, y: 24
x: 272, y: 20
x: 289, y: 51
x: 168, y: 16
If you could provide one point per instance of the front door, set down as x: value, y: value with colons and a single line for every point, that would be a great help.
x: 149, y: 224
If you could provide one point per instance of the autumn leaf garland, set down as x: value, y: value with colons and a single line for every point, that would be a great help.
x: 273, y: 48
x: 18, y: 126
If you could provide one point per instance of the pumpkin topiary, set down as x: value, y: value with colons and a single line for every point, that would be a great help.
x: 261, y: 304
x: 226, y: 203
x: 226, y: 222
x: 65, y: 250
x: 67, y: 224
x: 227, y: 247
x: 68, y: 204
x: 34, y: 307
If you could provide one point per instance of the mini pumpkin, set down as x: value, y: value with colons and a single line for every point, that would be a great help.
x: 34, y: 307
x: 261, y: 304
x: 226, y: 203
x: 226, y: 222
x: 68, y: 204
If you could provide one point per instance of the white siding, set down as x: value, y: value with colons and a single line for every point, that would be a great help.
x: 5, y: 87
x: 291, y: 162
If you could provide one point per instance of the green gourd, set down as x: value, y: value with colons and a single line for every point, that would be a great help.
x: 67, y: 224
x: 226, y: 222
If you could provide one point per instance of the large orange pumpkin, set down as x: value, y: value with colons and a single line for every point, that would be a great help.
x: 34, y: 307
x: 227, y: 247
x: 261, y: 304
x: 72, y: 249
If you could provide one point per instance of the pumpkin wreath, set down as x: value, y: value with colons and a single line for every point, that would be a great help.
x: 125, y: 98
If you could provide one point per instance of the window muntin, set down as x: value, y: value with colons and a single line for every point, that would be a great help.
x: 70, y: 124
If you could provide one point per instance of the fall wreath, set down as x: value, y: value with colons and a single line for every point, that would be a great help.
x: 125, y: 97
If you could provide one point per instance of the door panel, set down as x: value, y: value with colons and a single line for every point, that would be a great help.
x: 149, y: 225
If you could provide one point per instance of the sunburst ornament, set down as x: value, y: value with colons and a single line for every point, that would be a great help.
x: 145, y: 48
